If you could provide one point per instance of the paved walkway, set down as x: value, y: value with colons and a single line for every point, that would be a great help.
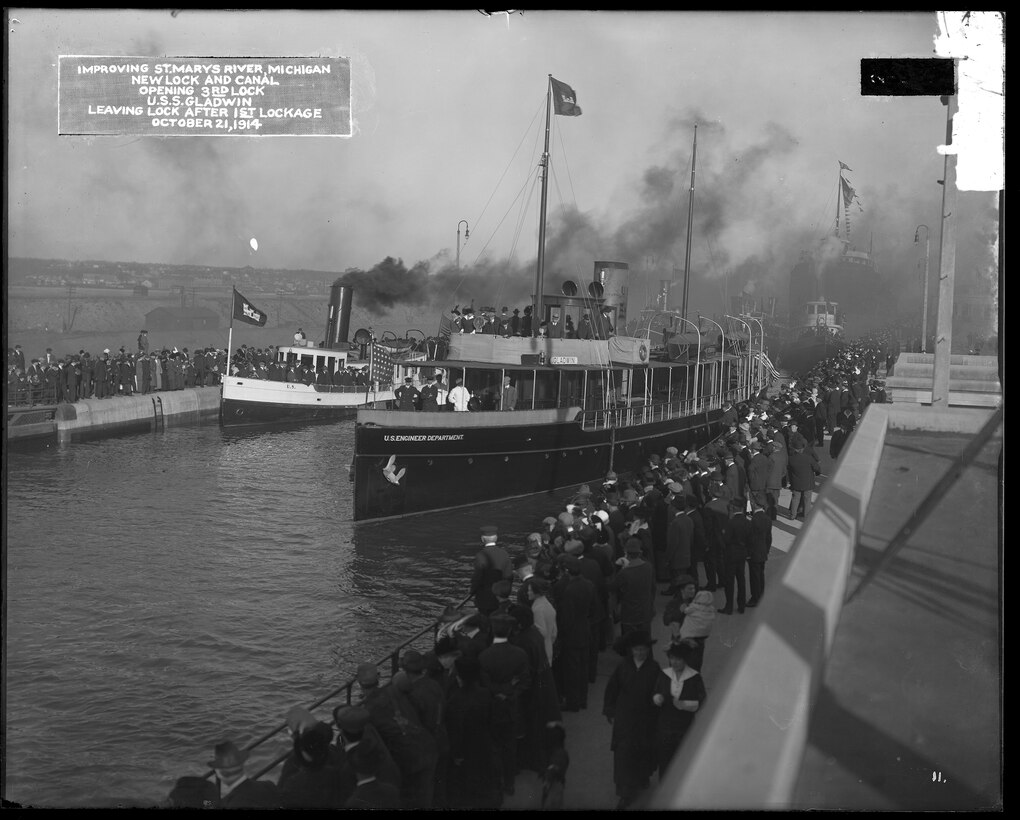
x: 589, y: 782
x: 909, y: 717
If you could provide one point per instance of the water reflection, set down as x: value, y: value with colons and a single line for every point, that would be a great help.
x: 170, y: 589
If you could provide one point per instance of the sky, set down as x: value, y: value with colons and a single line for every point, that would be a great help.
x: 448, y: 109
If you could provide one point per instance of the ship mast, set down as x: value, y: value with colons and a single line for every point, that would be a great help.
x: 540, y: 268
x: 839, y: 196
x: 690, y: 226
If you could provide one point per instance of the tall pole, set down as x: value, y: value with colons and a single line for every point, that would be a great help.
x: 230, y: 332
x: 690, y: 227
x: 947, y: 268
x: 924, y: 315
x: 466, y: 235
x: 536, y: 320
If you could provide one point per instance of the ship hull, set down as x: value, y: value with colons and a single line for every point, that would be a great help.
x: 249, y: 402
x: 801, y: 355
x: 454, y: 465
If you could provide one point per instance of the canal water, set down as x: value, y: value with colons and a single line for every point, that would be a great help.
x: 167, y: 591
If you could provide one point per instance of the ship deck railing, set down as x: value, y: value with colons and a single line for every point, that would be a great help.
x: 326, y: 388
x: 640, y: 414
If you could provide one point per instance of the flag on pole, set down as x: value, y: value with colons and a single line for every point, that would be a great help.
x: 564, y: 99
x: 844, y: 167
x: 849, y: 194
x: 245, y: 311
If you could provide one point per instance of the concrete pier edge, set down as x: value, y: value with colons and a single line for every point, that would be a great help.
x: 152, y: 410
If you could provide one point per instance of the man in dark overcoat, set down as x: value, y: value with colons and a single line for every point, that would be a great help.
x: 507, y: 673
x: 737, y: 540
x: 757, y: 473
x: 634, y: 589
x: 679, y: 538
x: 715, y: 516
x: 236, y: 790
x: 833, y: 404
x: 407, y: 395
x: 474, y: 781
x: 576, y: 608
x: 801, y: 469
x: 760, y: 543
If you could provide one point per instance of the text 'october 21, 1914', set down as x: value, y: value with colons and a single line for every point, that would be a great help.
x: 206, y: 96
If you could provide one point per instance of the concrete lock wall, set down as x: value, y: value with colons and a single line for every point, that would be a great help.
x: 746, y: 747
x: 152, y: 411
x: 744, y: 751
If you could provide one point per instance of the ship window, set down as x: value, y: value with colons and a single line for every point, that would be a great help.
x: 546, y: 383
x: 485, y: 386
x: 832, y: 310
x: 571, y: 388
x: 811, y: 310
x: 602, y: 389
x: 524, y: 381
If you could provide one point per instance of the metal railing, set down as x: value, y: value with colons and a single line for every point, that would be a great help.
x: 345, y: 692
x: 635, y: 415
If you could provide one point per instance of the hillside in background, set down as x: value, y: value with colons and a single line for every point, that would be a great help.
x: 72, y: 306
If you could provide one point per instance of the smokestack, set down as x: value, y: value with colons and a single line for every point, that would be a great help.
x: 338, y: 320
x: 613, y: 277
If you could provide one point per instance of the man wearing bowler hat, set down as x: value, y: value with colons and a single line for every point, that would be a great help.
x: 492, y: 564
x: 237, y: 791
x: 355, y: 729
x: 634, y: 589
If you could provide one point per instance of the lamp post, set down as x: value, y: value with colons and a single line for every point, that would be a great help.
x: 697, y: 364
x: 750, y: 346
x: 722, y: 353
x: 924, y: 315
x: 466, y: 235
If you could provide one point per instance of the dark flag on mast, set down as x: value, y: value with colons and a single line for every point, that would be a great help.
x: 245, y: 311
x: 564, y: 99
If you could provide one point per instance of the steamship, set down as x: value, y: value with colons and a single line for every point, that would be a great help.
x: 834, y: 287
x: 252, y: 401
x: 580, y: 406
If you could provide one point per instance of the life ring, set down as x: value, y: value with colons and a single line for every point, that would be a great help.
x: 643, y: 352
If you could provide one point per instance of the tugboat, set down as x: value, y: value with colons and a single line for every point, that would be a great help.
x: 818, y: 334
x: 575, y: 408
x: 335, y: 392
x: 834, y: 282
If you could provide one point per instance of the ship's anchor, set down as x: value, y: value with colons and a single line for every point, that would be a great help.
x: 390, y: 471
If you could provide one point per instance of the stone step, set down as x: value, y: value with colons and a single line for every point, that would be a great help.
x: 968, y: 372
x: 958, y: 358
x: 921, y: 382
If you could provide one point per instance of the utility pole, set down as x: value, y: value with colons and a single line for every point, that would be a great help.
x: 947, y: 267
x: 924, y: 314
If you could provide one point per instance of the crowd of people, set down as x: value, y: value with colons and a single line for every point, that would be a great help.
x: 592, y: 324
x: 52, y: 379
x: 258, y: 363
x: 457, y: 724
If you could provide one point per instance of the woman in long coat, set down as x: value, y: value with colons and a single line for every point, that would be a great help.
x: 629, y: 707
